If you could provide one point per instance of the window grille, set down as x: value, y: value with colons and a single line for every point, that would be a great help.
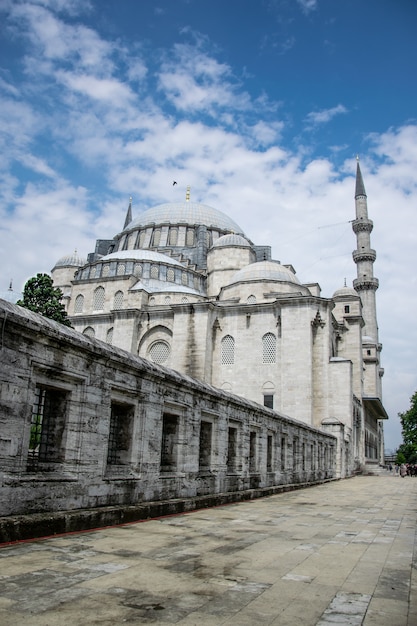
x: 184, y: 278
x: 251, y: 299
x: 109, y: 336
x: 118, y: 300
x: 121, y: 268
x: 89, y: 332
x: 138, y: 270
x: 106, y: 270
x: 169, y: 445
x: 167, y: 300
x: 93, y: 273
x: 152, y: 300
x: 173, y: 236
x: 142, y: 238
x: 47, y: 425
x: 190, y: 237
x: 269, y: 348
x: 156, y: 238
x: 170, y: 275
x: 79, y: 304
x: 228, y: 350
x: 184, y: 300
x: 159, y: 352
x: 119, y: 434
x: 99, y: 296
x: 205, y: 445
x: 196, y: 283
x: 154, y: 271
x: 231, y: 449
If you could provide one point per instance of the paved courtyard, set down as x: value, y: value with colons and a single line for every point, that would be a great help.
x: 340, y: 553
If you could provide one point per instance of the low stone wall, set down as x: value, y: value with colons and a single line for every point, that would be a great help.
x: 85, y: 426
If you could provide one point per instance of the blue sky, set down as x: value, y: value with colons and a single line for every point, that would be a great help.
x: 260, y: 105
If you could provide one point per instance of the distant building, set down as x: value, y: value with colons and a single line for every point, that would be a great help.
x: 183, y: 286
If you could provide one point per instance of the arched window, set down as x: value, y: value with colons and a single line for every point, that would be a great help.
x: 269, y: 348
x: 154, y: 271
x: 79, y: 304
x: 159, y: 351
x: 251, y: 299
x: 170, y: 275
x: 118, y: 300
x: 173, y: 236
x: 106, y: 269
x: 184, y: 278
x: 138, y: 270
x: 156, y: 237
x: 184, y: 300
x: 121, y: 268
x: 167, y: 300
x: 99, y: 299
x: 227, y: 350
x: 190, y: 237
x: 89, y: 332
x: 109, y: 336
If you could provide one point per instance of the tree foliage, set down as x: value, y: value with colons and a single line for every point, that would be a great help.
x: 409, y: 431
x: 40, y: 296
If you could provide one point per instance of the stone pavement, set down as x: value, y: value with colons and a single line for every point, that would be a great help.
x: 339, y: 553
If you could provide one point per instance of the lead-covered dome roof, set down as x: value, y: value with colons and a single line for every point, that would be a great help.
x: 265, y: 270
x: 141, y: 255
x: 231, y: 240
x: 190, y: 213
x: 70, y: 260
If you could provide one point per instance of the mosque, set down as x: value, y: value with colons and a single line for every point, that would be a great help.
x: 183, y: 286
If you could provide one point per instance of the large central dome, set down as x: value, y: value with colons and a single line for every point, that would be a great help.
x: 190, y: 213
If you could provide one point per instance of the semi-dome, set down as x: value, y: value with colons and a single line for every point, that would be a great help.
x: 265, y: 270
x: 231, y: 240
x: 141, y: 255
x: 187, y: 212
x: 70, y: 260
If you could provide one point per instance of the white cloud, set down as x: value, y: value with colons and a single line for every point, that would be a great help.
x: 325, y: 115
x: 308, y: 5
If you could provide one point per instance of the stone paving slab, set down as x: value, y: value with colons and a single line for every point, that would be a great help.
x: 339, y: 553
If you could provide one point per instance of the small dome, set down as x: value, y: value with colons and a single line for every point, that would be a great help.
x: 70, y: 260
x: 231, y: 240
x: 141, y: 255
x: 345, y: 291
x: 190, y: 213
x: 265, y: 270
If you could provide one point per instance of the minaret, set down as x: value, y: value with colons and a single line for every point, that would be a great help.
x: 365, y: 283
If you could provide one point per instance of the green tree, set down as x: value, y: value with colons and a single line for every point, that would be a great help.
x: 40, y: 296
x: 408, y: 419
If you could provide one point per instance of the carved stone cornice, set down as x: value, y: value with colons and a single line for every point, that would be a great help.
x: 362, y: 284
x: 362, y: 225
x: 364, y: 255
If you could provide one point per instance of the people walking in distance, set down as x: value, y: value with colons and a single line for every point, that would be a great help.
x: 403, y: 470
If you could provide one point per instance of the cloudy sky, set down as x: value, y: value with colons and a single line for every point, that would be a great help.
x: 261, y: 106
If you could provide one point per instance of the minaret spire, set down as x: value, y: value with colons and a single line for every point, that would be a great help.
x: 128, y: 214
x: 360, y: 187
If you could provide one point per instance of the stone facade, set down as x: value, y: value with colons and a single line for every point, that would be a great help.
x: 87, y: 425
x: 184, y: 287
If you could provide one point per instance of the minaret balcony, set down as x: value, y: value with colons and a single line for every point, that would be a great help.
x: 364, y: 255
x: 362, y: 225
x: 363, y: 284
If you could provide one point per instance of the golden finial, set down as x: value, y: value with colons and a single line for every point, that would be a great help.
x: 188, y: 193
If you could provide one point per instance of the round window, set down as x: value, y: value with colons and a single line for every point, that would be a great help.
x: 159, y: 352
